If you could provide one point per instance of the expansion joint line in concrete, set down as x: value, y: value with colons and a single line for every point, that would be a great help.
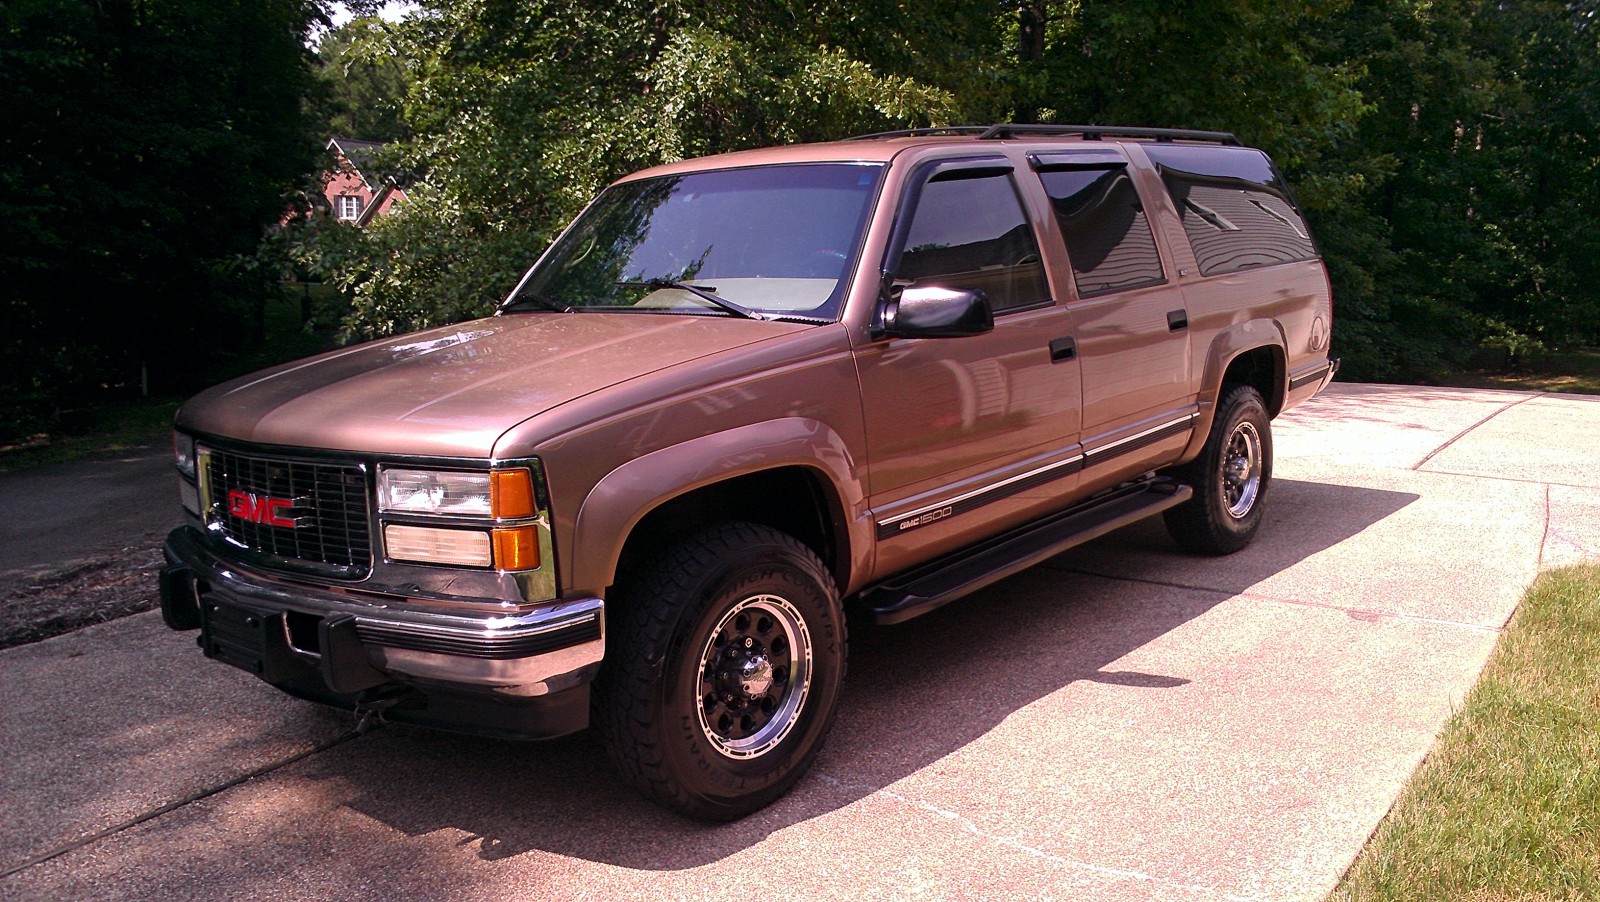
x: 1544, y: 540
x: 1511, y: 479
x: 174, y: 805
x: 1011, y: 842
x: 1463, y: 433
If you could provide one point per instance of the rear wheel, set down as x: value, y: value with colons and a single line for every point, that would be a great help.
x: 1230, y: 478
x: 723, y: 669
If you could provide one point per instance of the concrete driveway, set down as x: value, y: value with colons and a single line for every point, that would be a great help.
x: 1123, y: 722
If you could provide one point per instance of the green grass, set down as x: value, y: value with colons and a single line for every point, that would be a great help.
x: 1507, y: 805
x: 110, y: 428
x: 1574, y: 372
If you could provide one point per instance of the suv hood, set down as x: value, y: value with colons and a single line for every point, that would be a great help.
x: 454, y: 390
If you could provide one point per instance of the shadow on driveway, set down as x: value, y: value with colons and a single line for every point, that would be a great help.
x: 915, y: 694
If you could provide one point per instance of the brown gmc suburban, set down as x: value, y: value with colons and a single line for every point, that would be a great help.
x: 737, y: 395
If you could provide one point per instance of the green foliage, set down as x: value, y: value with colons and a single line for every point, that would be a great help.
x: 1232, y: 65
x: 1484, y: 116
x: 363, y: 87
x: 146, y: 145
x: 1445, y: 151
x: 523, y: 111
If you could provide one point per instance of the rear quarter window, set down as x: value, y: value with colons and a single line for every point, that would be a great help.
x: 1235, y: 208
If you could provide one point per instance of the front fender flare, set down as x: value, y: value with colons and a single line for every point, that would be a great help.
x: 624, y: 496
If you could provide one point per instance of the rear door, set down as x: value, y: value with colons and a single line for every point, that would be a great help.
x: 1130, y: 322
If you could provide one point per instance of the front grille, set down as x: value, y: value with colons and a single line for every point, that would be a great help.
x: 295, y: 513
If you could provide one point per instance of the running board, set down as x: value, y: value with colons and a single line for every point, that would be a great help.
x: 919, y: 591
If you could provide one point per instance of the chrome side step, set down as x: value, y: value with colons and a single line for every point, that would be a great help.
x: 916, y: 592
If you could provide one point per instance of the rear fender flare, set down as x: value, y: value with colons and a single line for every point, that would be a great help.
x: 1224, y: 350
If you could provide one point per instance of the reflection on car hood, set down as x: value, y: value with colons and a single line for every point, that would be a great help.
x: 452, y: 391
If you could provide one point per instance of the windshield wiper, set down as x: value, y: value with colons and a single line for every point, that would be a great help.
x: 702, y: 293
x: 539, y: 300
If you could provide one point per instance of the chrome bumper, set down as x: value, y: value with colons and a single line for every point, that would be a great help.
x: 516, y: 654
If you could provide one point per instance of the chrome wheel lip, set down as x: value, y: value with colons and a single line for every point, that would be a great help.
x: 793, y: 628
x: 1242, y: 464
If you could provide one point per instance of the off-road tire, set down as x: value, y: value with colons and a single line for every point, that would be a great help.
x: 671, y: 738
x: 1227, y: 508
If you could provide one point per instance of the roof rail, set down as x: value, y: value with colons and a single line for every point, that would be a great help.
x: 925, y: 132
x: 1101, y: 132
x: 1087, y: 132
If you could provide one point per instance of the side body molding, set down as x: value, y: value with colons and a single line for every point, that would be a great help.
x: 1225, y: 347
x: 627, y: 494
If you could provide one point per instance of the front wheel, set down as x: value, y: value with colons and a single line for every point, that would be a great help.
x: 722, y: 674
x: 1230, y: 478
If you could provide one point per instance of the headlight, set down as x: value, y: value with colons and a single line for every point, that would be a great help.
x: 183, y: 453
x: 434, y: 492
x: 502, y: 494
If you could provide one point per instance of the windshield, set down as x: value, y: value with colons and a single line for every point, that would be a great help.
x: 775, y: 241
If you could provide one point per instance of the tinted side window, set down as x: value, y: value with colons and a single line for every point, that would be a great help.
x: 1108, y: 237
x: 971, y: 233
x: 1236, y: 209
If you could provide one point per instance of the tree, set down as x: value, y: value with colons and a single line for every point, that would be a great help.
x: 365, y: 87
x: 1447, y: 152
x: 523, y: 110
x: 147, y: 144
x: 1480, y: 150
x: 1232, y: 65
x: 1537, y: 168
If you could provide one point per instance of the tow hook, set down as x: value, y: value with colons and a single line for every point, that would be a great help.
x: 372, y: 703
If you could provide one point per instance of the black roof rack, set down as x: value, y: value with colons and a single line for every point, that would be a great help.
x: 1100, y: 132
x: 936, y: 130
x: 1087, y: 132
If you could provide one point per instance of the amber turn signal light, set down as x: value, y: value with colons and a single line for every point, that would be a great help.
x: 511, y: 494
x: 516, y: 549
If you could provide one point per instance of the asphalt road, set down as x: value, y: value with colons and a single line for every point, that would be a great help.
x: 55, y: 516
x: 1122, y: 722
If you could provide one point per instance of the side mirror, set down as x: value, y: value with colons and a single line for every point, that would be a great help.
x: 933, y: 312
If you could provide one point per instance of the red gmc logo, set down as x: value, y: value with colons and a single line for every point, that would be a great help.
x: 260, y: 509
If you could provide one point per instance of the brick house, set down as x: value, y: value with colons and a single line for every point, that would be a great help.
x: 353, y: 192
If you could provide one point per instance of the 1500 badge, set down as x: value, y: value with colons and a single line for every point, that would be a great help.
x: 925, y: 519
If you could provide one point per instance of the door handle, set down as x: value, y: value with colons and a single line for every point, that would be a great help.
x: 1177, y: 320
x: 1063, y: 349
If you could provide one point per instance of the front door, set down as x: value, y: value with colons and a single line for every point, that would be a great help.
x: 966, y: 431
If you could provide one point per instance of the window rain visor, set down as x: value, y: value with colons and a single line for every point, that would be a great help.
x: 779, y: 240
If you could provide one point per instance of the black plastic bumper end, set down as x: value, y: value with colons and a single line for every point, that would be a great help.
x: 180, y: 598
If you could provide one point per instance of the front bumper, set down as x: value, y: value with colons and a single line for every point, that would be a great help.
x: 499, y: 671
